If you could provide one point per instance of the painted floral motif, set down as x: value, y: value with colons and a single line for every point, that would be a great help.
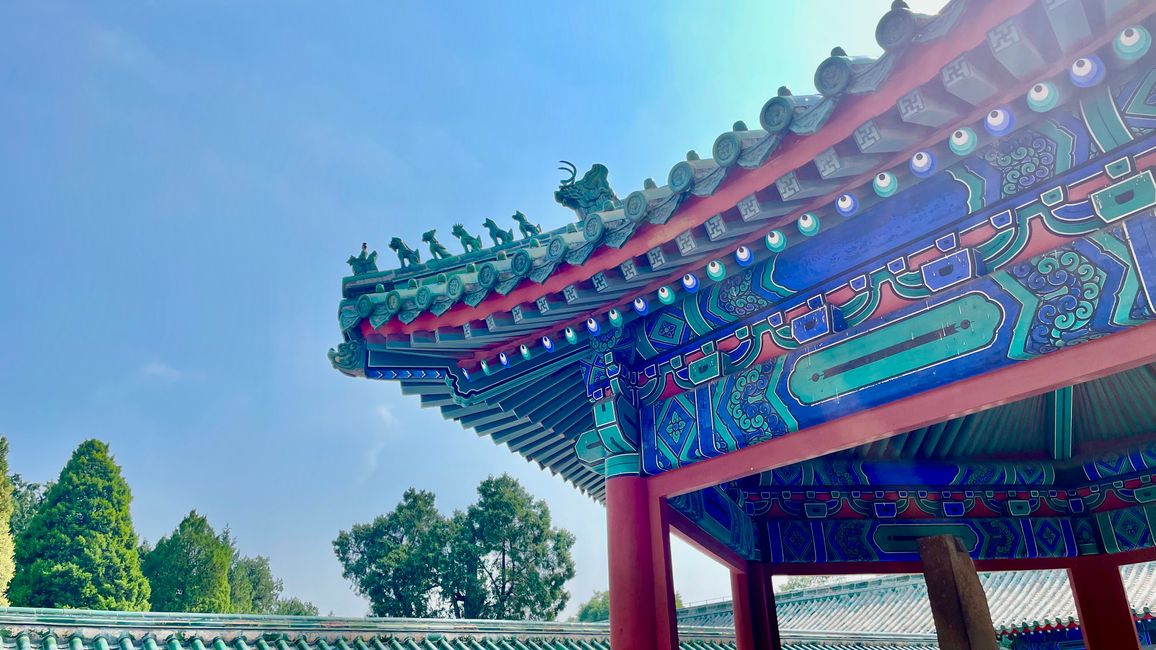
x: 748, y: 405
x: 1023, y: 160
x: 1068, y: 286
x: 736, y: 298
x: 675, y: 427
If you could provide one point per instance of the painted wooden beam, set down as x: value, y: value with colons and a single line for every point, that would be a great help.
x: 1105, y: 356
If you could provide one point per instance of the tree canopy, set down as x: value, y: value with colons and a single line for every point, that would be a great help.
x: 7, y: 561
x: 596, y: 609
x: 79, y: 549
x: 26, y: 500
x: 294, y: 607
x: 252, y: 587
x: 189, y: 569
x: 395, y: 560
x: 510, y: 562
x: 500, y: 558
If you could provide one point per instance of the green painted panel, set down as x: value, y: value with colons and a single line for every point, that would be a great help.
x: 904, y: 538
x: 1125, y: 198
x: 705, y: 369
x: 923, y: 339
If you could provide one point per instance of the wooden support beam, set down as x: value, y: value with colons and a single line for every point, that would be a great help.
x: 958, y: 603
x: 1111, y: 354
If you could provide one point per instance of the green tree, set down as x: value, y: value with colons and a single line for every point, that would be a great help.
x: 26, y: 500
x: 500, y: 558
x: 7, y: 562
x: 505, y: 560
x: 79, y: 550
x: 189, y: 570
x: 595, y: 609
x: 794, y: 583
x: 295, y: 607
x: 394, y: 561
x: 252, y: 587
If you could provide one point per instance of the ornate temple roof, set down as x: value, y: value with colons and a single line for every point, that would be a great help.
x: 511, y: 340
x: 558, y: 275
x: 1020, y: 601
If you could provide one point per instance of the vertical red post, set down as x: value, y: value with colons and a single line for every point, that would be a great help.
x: 756, y: 622
x: 1105, y: 617
x: 741, y: 602
x: 665, y: 615
x: 773, y: 640
x: 632, y: 584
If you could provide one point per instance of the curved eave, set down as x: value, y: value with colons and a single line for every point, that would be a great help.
x: 614, y: 276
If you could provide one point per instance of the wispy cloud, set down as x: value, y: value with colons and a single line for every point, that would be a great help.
x: 382, y: 436
x: 161, y: 372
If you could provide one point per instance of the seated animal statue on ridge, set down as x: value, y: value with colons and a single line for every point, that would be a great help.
x: 405, y: 255
x: 497, y: 234
x: 588, y: 195
x: 470, y: 243
x: 527, y: 229
x: 436, y: 250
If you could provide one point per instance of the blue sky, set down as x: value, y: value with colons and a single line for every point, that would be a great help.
x: 181, y: 182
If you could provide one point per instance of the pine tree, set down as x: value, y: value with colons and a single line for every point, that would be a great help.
x: 80, y: 550
x: 7, y: 561
x: 189, y: 570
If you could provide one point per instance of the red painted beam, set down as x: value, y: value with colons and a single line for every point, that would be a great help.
x: 1111, y: 354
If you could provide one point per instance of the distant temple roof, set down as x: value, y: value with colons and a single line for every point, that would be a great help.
x: 876, y: 613
x: 59, y: 629
x: 1020, y: 602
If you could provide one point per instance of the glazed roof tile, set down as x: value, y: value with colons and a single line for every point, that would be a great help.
x: 56, y: 629
x: 1020, y: 601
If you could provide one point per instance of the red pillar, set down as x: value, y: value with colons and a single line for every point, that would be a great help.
x: 741, y: 602
x: 665, y: 617
x: 756, y: 622
x: 632, y: 584
x: 1105, y: 617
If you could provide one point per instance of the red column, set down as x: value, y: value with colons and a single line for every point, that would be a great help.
x: 1105, y: 617
x: 665, y: 614
x: 632, y: 584
x: 756, y: 622
x: 773, y: 640
x: 756, y: 626
x: 741, y: 602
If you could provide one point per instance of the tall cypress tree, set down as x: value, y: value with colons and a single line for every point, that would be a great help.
x: 7, y: 563
x: 189, y: 570
x: 80, y: 550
